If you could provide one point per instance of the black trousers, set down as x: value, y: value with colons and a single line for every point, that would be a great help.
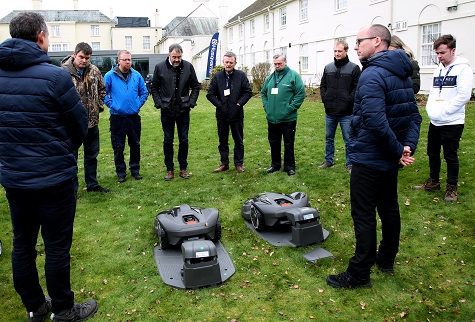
x: 448, y: 137
x: 276, y: 132
x: 237, y: 132
x: 372, y: 190
x: 121, y: 127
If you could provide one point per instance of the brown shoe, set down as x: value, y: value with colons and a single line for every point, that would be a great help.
x: 429, y: 185
x: 451, y: 193
x: 184, y: 174
x: 221, y: 168
x: 239, y: 169
x: 170, y: 175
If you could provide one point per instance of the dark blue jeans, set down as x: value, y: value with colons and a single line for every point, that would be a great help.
x: 91, y: 151
x: 276, y: 132
x: 121, y: 127
x: 448, y: 137
x: 372, y: 190
x: 182, y: 125
x: 331, y: 123
x: 53, y: 210
x: 237, y: 132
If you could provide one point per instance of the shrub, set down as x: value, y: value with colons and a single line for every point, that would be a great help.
x: 259, y: 73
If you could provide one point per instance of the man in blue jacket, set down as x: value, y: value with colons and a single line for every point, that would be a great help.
x: 126, y: 93
x: 384, y: 135
x: 43, y: 124
x: 228, y: 91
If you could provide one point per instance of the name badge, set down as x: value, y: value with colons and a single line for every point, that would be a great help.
x: 439, y: 99
x: 227, y: 92
x: 274, y: 91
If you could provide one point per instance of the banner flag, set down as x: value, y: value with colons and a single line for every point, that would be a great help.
x: 213, y: 46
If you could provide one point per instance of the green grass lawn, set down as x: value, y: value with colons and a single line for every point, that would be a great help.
x: 112, y: 253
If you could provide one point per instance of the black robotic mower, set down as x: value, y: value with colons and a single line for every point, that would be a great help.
x: 284, y: 219
x: 190, y: 254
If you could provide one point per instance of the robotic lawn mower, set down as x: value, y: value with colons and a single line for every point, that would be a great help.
x: 273, y: 214
x: 202, y: 261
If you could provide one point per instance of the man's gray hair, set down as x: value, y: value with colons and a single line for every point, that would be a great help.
x: 277, y: 55
x: 230, y: 54
x: 175, y: 47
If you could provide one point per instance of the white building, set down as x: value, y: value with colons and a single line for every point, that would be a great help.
x: 306, y: 30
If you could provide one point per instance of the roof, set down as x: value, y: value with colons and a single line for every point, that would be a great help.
x: 132, y: 22
x: 64, y: 15
x: 255, y: 7
x: 191, y: 26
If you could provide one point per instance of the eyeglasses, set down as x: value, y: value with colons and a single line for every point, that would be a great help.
x: 125, y: 59
x: 359, y: 40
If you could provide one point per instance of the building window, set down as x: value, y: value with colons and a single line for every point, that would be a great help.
x: 128, y: 42
x: 96, y: 46
x: 58, y: 47
x: 95, y: 30
x: 266, y: 23
x: 303, y: 10
x: 283, y: 50
x: 283, y: 16
x: 252, y: 27
x: 55, y: 31
x: 429, y: 34
x: 340, y: 4
x: 146, y: 42
x: 268, y: 58
x: 231, y: 34
x: 241, y: 31
x: 304, y: 56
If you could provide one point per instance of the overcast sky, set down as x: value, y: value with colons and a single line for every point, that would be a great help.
x: 168, y: 9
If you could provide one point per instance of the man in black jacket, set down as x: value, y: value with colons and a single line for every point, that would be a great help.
x: 229, y: 91
x: 43, y: 123
x: 175, y: 89
x: 337, y: 90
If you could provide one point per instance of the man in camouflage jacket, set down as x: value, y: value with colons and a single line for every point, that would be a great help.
x: 91, y: 88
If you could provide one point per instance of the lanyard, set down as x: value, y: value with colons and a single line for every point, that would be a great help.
x: 277, y: 81
x: 443, y: 80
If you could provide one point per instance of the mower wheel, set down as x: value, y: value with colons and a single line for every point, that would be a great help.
x: 163, y: 238
x: 217, y: 232
x: 257, y: 219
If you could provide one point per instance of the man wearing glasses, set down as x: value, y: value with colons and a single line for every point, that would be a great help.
x: 384, y: 135
x: 126, y: 93
x: 282, y: 94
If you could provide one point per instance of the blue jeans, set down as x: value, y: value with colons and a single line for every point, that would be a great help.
x: 52, y: 210
x: 331, y: 123
x: 182, y: 125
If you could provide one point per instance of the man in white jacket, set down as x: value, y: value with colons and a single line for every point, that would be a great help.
x: 451, y: 90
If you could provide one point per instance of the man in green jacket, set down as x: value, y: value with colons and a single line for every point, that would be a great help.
x: 282, y: 94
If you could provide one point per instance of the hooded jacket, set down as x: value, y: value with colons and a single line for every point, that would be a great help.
x: 91, y: 88
x: 282, y: 107
x: 125, y: 96
x: 240, y: 92
x: 42, y: 119
x: 446, y: 104
x: 175, y: 90
x: 385, y: 114
x: 338, y: 86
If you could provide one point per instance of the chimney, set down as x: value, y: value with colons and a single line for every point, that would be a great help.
x: 157, y: 17
x: 111, y: 13
x: 37, y: 4
x: 75, y: 4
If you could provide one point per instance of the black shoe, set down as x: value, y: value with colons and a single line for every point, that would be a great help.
x: 272, y: 169
x: 388, y: 269
x: 121, y: 180
x: 291, y: 172
x: 97, y: 188
x: 345, y: 280
x: 79, y: 312
x: 137, y: 176
x: 40, y: 314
